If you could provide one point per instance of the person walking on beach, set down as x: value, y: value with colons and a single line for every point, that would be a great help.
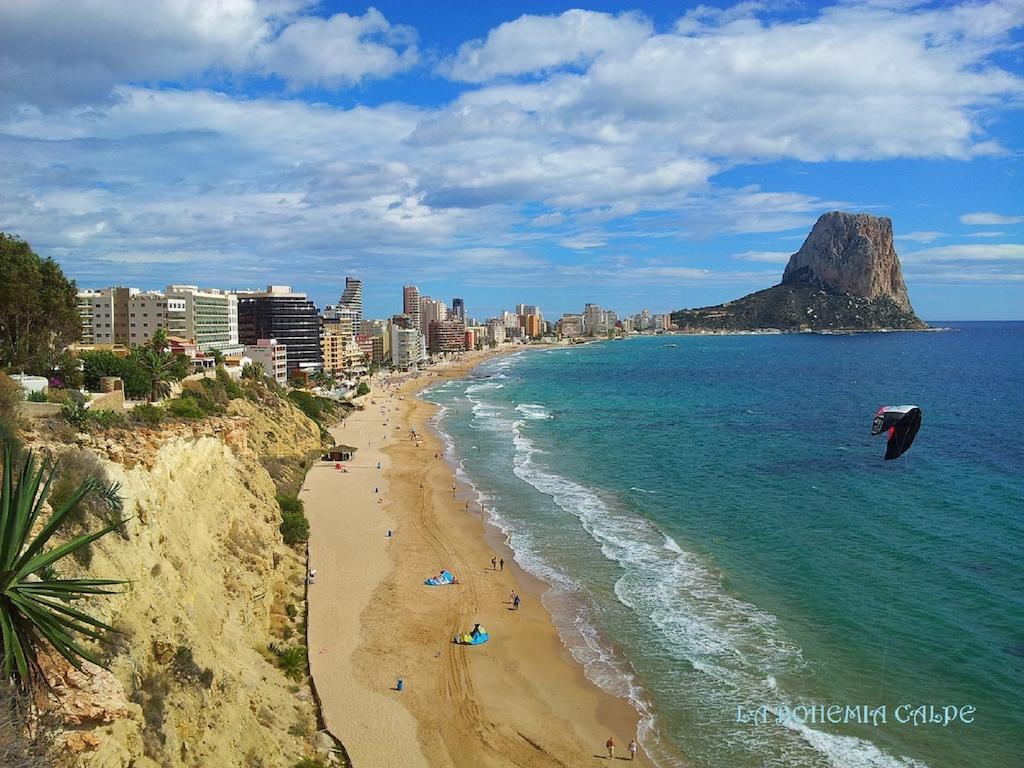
x: 501, y: 564
x: 632, y: 749
x: 494, y: 563
x: 611, y: 748
x: 515, y: 603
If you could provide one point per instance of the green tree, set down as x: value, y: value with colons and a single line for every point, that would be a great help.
x: 38, y: 309
x: 105, y: 363
x: 37, y: 610
x: 217, y: 355
x: 159, y: 370
x: 253, y: 371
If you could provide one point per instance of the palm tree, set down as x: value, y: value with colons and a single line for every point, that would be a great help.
x: 35, y: 604
x: 159, y: 341
x: 159, y: 368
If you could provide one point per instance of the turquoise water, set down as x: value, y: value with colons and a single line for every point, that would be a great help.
x: 720, y: 532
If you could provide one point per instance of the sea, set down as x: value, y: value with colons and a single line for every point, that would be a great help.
x: 726, y: 547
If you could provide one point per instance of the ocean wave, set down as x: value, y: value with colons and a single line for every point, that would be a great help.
x: 737, y: 649
x: 534, y: 411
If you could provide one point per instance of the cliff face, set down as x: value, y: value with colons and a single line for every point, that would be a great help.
x: 191, y: 682
x: 846, y: 276
x: 851, y: 253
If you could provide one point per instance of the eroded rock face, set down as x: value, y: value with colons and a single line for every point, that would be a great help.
x: 854, y: 253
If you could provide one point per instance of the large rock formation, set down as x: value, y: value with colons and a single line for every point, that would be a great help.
x: 846, y: 276
x: 852, y: 253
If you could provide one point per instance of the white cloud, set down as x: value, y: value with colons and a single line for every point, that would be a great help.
x: 970, y: 252
x: 537, y: 43
x: 989, y: 219
x: 339, y: 51
x: 56, y: 54
x: 854, y: 81
x: 768, y: 257
x: 920, y: 237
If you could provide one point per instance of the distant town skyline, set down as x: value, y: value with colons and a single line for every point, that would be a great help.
x: 635, y: 155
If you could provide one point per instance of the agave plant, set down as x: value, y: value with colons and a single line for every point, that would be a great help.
x: 36, y: 605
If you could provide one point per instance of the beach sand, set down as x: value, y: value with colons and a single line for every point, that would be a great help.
x: 518, y: 700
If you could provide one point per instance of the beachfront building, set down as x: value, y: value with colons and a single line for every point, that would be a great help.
x: 594, y: 320
x: 446, y: 336
x: 380, y: 332
x: 341, y: 352
x: 495, y: 331
x: 406, y: 347
x: 411, y: 304
x: 459, y: 309
x: 570, y: 326
x: 351, y: 302
x: 642, y: 320
x: 272, y: 355
x: 290, y: 318
x: 531, y: 325
x: 661, y: 322
x: 431, y: 311
x: 510, y: 319
x: 152, y: 311
x: 211, y: 316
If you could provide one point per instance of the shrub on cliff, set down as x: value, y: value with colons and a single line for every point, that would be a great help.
x: 148, y: 414
x: 185, y: 408
x: 294, y: 525
x: 362, y: 389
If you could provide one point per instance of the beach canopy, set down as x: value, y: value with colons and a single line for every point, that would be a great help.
x: 902, y: 423
x: 443, y: 579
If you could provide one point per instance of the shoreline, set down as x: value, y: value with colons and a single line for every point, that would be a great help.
x: 522, y: 699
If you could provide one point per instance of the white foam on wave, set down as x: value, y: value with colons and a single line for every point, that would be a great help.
x: 738, y: 648
x: 534, y: 411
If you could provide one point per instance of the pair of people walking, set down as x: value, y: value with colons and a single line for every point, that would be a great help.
x: 497, y: 565
x: 610, y: 745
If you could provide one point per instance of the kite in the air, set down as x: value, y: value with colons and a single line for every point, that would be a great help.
x: 902, y: 423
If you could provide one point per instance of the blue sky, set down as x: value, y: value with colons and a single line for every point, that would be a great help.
x: 657, y: 155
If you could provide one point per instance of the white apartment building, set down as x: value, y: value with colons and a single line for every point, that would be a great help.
x: 406, y: 347
x: 496, y: 331
x: 211, y: 316
x: 272, y: 356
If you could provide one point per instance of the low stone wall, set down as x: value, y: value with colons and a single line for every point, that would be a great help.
x: 38, y: 410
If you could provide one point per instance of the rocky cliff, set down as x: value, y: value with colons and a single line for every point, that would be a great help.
x: 851, y: 253
x: 211, y: 587
x: 846, y: 276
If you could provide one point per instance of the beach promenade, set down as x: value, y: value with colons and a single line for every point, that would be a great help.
x: 519, y: 700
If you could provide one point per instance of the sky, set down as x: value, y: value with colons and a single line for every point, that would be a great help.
x: 659, y: 154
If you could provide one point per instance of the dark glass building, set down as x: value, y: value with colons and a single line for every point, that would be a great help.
x: 289, y: 318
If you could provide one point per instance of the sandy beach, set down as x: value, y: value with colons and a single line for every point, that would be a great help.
x: 518, y: 700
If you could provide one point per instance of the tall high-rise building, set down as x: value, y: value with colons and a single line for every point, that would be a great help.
x: 352, y: 300
x: 431, y: 310
x: 459, y: 309
x: 594, y: 320
x: 411, y: 304
x: 289, y: 318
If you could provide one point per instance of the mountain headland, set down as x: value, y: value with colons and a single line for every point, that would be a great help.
x: 846, y: 276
